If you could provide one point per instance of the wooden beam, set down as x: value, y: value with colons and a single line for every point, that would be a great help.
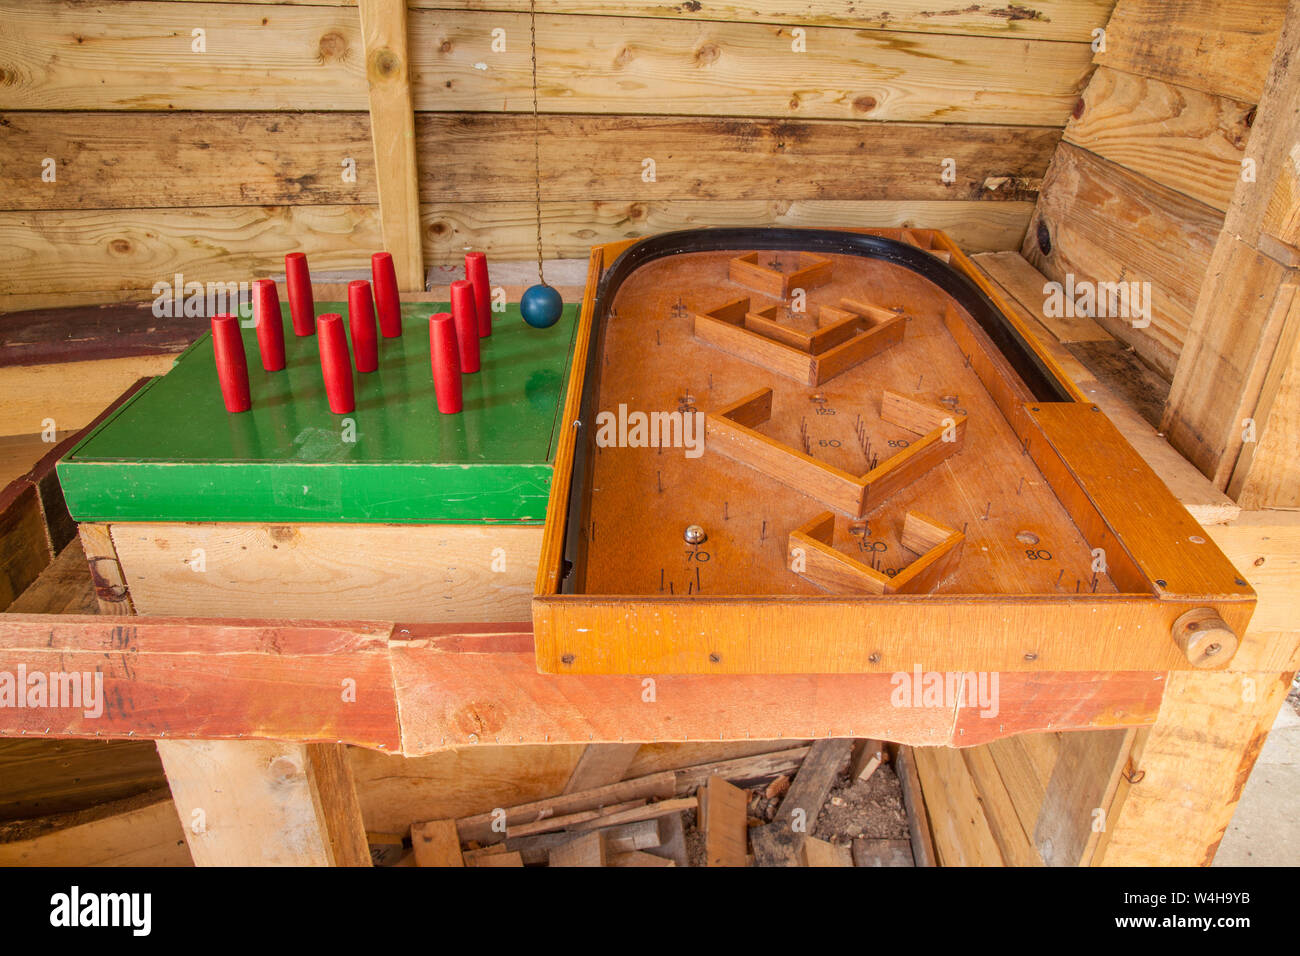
x: 1077, y: 803
x: 1188, y: 773
x: 260, y: 803
x: 282, y: 680
x: 392, y: 127
x: 587, y: 849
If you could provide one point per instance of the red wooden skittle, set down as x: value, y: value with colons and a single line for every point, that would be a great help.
x: 232, y: 366
x: 464, y: 314
x: 335, y: 363
x: 302, y: 308
x: 361, y: 323
x: 476, y: 271
x: 387, y: 304
x: 445, y: 358
x: 270, y: 324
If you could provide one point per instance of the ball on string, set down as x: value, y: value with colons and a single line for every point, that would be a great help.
x: 541, y: 306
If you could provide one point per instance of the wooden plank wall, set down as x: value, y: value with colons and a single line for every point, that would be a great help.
x: 1151, y: 155
x: 214, y: 164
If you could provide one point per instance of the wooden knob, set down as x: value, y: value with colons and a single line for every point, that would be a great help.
x: 1203, y: 636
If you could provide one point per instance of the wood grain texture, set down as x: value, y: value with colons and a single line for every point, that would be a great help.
x: 1223, y: 368
x: 1267, y: 471
x: 115, y: 160
x: 68, y: 251
x: 1078, y: 798
x: 141, y: 830
x: 128, y: 56
x: 484, y: 157
x: 1176, y: 136
x: 685, y: 67
x: 416, y: 573
x: 384, y: 32
x: 507, y: 230
x: 72, y: 394
x: 1107, y: 224
x: 40, y: 777
x: 1051, y: 19
x: 726, y: 828
x: 999, y: 809
x: 1195, y: 762
x: 265, y: 803
x: 962, y: 836
x: 600, y: 765
x: 1217, y: 46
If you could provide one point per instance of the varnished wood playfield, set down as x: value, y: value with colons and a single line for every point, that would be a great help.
x: 1018, y: 537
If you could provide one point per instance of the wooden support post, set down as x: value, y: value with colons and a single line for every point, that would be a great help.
x: 392, y: 127
x: 110, y: 584
x: 1187, y: 772
x: 266, y: 803
x: 1228, y: 407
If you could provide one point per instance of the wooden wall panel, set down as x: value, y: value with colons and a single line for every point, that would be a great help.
x: 569, y: 229
x: 480, y: 157
x: 65, y: 251
x: 1178, y: 137
x: 686, y: 67
x: 128, y: 55
x: 1216, y: 46
x: 1043, y: 20
x: 1107, y: 224
x: 114, y: 160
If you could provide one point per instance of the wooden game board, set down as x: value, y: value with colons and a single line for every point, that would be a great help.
x: 893, y: 475
x: 173, y: 453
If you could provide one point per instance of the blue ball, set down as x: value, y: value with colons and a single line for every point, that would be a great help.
x: 541, y: 306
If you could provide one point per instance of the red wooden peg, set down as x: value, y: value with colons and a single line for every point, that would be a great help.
x: 302, y: 308
x: 335, y: 363
x: 361, y: 323
x: 387, y: 303
x: 445, y: 358
x: 464, y: 314
x: 476, y: 271
x: 232, y: 366
x: 270, y: 324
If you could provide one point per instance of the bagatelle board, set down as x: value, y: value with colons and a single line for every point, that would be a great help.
x: 806, y: 450
x: 173, y: 452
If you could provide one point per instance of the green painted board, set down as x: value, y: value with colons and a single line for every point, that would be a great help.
x: 173, y: 453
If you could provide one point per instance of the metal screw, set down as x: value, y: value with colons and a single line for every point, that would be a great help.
x: 695, y: 535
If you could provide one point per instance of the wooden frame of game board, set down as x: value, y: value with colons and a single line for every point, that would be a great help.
x: 1160, y: 564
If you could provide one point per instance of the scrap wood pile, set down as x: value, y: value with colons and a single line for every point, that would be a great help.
x: 824, y: 803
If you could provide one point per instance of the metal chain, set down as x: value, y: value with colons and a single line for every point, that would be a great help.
x: 537, y: 138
